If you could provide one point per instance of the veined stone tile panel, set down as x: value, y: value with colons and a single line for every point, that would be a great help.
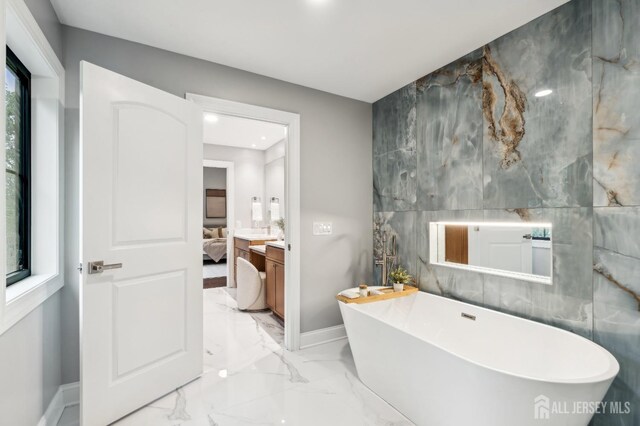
x: 616, y: 298
x: 394, y: 121
x: 394, y: 181
x: 449, y: 136
x: 616, y: 122
x: 394, y: 151
x: 537, y: 150
x: 402, y: 225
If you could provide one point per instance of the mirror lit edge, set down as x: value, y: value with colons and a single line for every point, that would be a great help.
x: 433, y: 252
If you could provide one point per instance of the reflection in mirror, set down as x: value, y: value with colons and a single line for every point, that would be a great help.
x: 517, y: 250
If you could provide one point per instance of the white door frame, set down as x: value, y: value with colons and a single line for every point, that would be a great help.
x: 292, y: 193
x: 230, y: 187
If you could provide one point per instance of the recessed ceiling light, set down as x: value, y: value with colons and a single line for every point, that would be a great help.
x: 545, y: 92
x: 264, y: 138
x: 211, y: 118
x: 253, y: 146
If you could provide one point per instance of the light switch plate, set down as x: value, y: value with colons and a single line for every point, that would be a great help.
x: 322, y: 228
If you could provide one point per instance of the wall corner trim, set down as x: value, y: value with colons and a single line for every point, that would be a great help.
x: 67, y: 395
x: 323, y: 335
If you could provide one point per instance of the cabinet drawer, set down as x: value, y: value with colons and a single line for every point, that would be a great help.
x: 275, y: 254
x: 241, y: 244
x: 242, y: 253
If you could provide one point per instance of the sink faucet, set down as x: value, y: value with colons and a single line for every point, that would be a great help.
x: 389, y: 257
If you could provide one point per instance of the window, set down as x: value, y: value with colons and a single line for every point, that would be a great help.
x: 17, y: 149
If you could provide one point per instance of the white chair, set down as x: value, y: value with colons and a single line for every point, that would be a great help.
x: 252, y: 286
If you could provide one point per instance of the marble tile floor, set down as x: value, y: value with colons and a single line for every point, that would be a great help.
x: 265, y: 319
x: 249, y: 379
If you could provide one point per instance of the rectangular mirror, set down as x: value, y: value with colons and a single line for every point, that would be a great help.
x: 518, y: 250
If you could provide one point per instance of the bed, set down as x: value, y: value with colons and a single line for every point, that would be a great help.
x: 214, y: 243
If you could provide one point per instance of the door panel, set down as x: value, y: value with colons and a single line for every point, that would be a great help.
x: 158, y: 196
x: 141, y: 206
x: 500, y: 248
x: 149, y: 335
x: 279, y: 289
x: 270, y: 268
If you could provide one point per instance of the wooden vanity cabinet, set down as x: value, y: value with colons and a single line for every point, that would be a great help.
x: 280, y: 290
x: 271, y: 283
x: 242, y: 248
x: 275, y: 279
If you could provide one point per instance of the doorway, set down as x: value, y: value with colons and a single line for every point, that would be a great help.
x: 290, y: 210
x: 218, y: 175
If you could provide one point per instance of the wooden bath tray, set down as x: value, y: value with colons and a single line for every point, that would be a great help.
x: 388, y: 294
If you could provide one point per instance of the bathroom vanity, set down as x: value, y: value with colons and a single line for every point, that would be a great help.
x: 242, y: 244
x: 274, y: 267
x: 267, y: 255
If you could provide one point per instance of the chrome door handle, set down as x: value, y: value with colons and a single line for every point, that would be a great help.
x: 527, y: 236
x: 99, y: 266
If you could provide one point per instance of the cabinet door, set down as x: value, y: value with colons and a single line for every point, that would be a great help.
x: 280, y: 289
x: 271, y: 284
x: 235, y: 265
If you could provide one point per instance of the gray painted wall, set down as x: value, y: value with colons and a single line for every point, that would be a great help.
x: 248, y: 166
x: 335, y: 166
x: 471, y: 142
x: 213, y: 178
x: 30, y: 365
x: 30, y: 351
x: 48, y: 21
x: 274, y: 176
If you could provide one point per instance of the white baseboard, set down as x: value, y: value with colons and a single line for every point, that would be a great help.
x: 324, y: 335
x: 66, y: 395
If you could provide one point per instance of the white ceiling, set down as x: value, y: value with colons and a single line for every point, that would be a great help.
x: 362, y: 49
x: 241, y: 132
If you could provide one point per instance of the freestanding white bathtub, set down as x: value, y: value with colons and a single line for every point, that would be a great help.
x: 441, y: 362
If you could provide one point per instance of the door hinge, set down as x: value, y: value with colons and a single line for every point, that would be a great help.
x: 289, y: 247
x: 80, y: 268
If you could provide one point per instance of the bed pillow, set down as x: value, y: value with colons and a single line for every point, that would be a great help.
x: 223, y: 232
x: 208, y: 233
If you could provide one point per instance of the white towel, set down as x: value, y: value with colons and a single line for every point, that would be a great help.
x: 350, y: 293
x: 354, y: 293
x: 256, y: 211
x: 275, y: 212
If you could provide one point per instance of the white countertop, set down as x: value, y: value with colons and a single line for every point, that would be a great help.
x: 259, y: 249
x: 277, y: 244
x: 255, y: 237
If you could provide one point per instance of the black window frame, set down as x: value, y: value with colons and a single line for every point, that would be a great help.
x: 18, y: 68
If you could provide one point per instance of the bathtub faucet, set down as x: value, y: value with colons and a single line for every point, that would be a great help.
x: 389, y: 256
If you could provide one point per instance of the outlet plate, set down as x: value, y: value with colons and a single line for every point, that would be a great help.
x: 322, y: 228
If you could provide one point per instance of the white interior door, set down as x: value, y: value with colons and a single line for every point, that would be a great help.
x: 508, y: 249
x: 141, y: 189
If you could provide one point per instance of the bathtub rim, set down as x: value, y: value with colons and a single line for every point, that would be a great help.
x: 609, y: 375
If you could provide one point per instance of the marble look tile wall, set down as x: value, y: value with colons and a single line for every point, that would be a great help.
x: 449, y: 136
x: 537, y: 150
x: 616, y: 299
x: 394, y: 151
x: 616, y: 123
x: 471, y: 141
